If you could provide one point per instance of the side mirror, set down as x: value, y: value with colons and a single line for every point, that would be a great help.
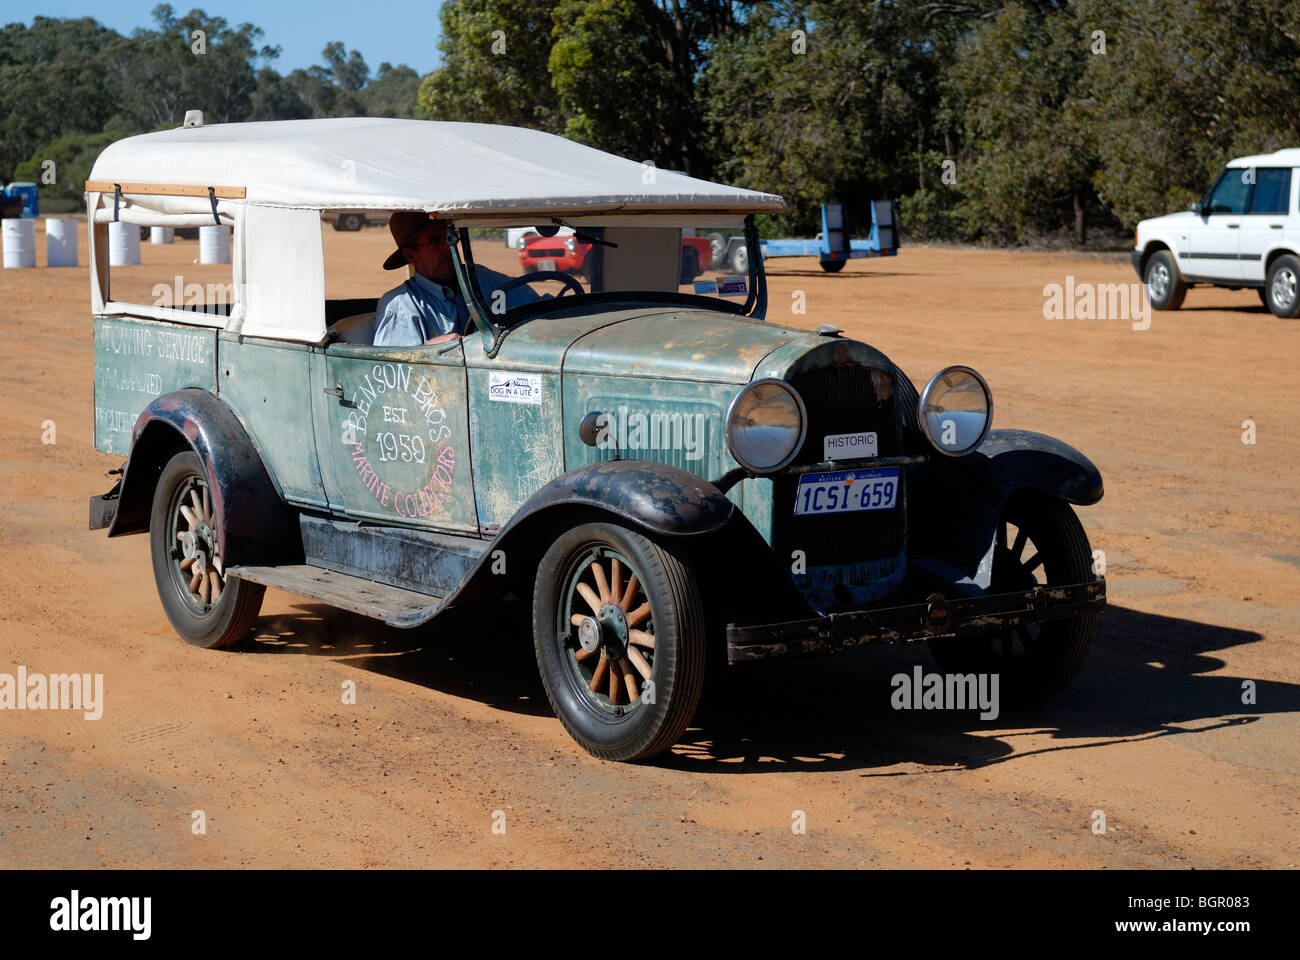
x: 593, y: 428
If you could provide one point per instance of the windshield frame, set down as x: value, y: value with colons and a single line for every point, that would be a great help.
x: 499, y: 325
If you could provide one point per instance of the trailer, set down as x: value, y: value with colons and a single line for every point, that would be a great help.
x: 832, y: 246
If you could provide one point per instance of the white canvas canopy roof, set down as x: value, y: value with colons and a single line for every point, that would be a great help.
x: 383, y: 164
x: 270, y: 181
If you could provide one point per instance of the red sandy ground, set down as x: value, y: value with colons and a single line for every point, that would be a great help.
x: 1201, y: 533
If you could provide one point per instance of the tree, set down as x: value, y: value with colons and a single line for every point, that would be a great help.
x: 1031, y: 156
x: 1177, y: 94
x: 494, y: 70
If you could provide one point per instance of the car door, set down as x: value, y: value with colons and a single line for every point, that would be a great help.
x: 1264, y: 227
x: 1214, y: 238
x: 398, y: 432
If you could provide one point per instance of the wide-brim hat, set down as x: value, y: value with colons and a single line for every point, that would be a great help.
x: 405, y: 226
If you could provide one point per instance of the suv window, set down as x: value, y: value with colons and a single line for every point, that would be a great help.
x: 1272, y: 191
x: 1229, y: 194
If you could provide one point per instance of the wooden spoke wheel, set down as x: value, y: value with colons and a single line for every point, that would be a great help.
x: 1038, y: 542
x: 206, y: 608
x: 619, y: 631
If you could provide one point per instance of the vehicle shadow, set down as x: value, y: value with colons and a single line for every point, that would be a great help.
x: 1144, y: 678
x: 480, y: 654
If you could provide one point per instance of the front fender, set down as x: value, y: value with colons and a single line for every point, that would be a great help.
x: 660, y: 500
x: 954, y: 504
x: 255, y: 525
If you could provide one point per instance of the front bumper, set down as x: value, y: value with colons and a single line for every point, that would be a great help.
x: 1136, y: 257
x: 936, y: 617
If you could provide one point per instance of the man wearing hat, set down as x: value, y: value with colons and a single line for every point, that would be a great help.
x: 428, y: 307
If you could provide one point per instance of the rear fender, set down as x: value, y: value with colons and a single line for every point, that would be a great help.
x: 255, y: 524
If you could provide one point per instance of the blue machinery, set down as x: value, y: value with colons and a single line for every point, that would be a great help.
x: 833, y: 247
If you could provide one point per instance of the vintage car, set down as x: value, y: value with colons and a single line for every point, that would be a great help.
x: 674, y: 484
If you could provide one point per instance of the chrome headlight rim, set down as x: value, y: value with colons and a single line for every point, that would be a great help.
x: 803, y: 425
x: 925, y: 397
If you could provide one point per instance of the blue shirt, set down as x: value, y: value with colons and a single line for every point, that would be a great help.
x: 421, y: 309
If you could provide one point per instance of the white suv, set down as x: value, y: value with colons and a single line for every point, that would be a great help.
x: 1245, y: 232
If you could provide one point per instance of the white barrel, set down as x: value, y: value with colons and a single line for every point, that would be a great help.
x: 19, y: 238
x: 159, y: 235
x: 123, y: 244
x: 214, y: 244
x: 61, y: 240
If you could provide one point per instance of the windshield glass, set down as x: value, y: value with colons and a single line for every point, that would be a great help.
x: 520, y: 266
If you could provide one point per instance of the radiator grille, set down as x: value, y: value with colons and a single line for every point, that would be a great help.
x: 840, y: 399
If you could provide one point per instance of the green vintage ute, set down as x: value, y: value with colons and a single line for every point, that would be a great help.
x: 676, y: 485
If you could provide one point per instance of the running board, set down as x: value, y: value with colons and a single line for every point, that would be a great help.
x: 393, y: 605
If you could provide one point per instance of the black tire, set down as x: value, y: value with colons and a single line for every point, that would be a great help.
x: 1281, y: 292
x: 833, y: 266
x: 690, y: 265
x: 612, y: 724
x: 1165, y: 286
x: 739, y: 260
x: 1034, y: 661
x: 349, y: 221
x: 198, y: 621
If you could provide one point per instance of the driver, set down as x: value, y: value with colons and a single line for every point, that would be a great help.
x: 428, y: 307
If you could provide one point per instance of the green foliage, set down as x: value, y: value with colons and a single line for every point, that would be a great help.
x: 73, y: 155
x: 489, y: 76
x: 63, y: 81
x: 988, y: 120
x: 1184, y: 87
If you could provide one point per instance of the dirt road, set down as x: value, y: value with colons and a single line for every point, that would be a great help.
x: 1202, y: 540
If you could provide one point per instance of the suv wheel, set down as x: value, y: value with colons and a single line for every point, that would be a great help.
x: 619, y: 631
x: 1039, y: 542
x: 1165, y: 287
x: 739, y: 261
x: 1282, y: 289
x: 207, y: 608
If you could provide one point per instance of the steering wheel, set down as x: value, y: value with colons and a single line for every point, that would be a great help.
x: 564, y: 278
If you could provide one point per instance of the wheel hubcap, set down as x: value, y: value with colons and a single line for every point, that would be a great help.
x: 1284, y: 284
x: 197, y: 570
x: 607, y: 631
x: 1159, y: 281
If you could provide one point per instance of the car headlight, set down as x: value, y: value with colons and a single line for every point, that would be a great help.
x: 956, y: 410
x: 766, y: 424
x: 570, y: 244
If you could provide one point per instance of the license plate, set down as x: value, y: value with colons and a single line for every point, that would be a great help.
x: 546, y: 265
x: 846, y: 491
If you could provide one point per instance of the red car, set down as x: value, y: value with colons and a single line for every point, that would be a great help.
x: 569, y: 255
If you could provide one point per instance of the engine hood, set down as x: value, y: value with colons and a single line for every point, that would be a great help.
x: 1170, y: 221
x: 683, y: 344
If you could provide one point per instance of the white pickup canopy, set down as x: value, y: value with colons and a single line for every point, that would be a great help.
x: 383, y: 164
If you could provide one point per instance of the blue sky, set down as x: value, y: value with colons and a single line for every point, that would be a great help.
x: 399, y: 31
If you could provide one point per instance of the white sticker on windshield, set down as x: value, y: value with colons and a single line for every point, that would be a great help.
x: 728, y: 285
x: 515, y: 387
